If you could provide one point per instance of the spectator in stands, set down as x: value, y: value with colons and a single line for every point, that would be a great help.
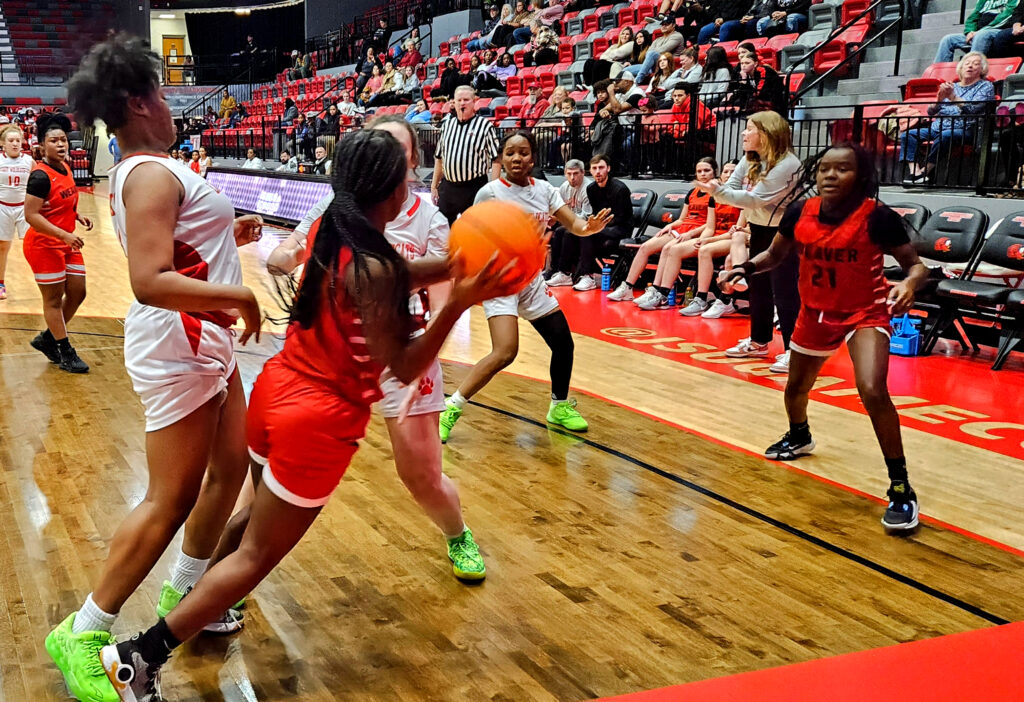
x: 605, y: 130
x: 303, y: 137
x: 625, y: 97
x: 533, y: 107
x: 210, y: 118
x: 758, y: 87
x: 495, y: 79
x: 391, y: 87
x: 175, y: 154
x: 227, y: 103
x: 322, y: 164
x: 410, y: 85
x: 595, y: 69
x: 381, y: 35
x: 236, y: 116
x: 689, y: 73
x: 365, y: 67
x: 981, y: 29
x: 765, y: 18
x: 114, y: 149
x: 411, y: 57
x: 550, y: 12
x: 204, y: 161
x: 194, y: 163
x: 564, y: 250
x: 291, y: 111
x: 694, y: 15
x: 250, y: 47
x: 543, y: 47
x: 364, y: 98
x: 641, y: 44
x: 329, y: 126
x: 252, y: 161
x: 668, y: 39
x: 762, y: 185
x: 716, y: 77
x: 451, y: 79
x: 494, y: 19
x: 376, y: 80
x: 604, y: 192
x: 554, y: 111
x: 724, y: 11
x: 418, y: 112
x: 346, y: 108
x: 663, y: 71
x: 289, y: 163
x: 520, y: 25
x: 4, y: 118
x: 966, y: 98
x: 503, y: 32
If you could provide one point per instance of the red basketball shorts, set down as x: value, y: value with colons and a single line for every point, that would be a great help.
x: 821, y: 333
x: 302, y: 434
x: 52, y: 263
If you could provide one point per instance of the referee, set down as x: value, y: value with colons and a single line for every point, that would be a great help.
x: 467, y: 148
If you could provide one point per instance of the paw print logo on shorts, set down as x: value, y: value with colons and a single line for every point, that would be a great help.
x: 426, y: 386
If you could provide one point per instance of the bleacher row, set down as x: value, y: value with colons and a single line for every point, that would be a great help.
x: 50, y: 36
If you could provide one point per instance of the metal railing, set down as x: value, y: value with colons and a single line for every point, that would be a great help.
x: 851, y: 59
x: 242, y: 84
x: 982, y: 152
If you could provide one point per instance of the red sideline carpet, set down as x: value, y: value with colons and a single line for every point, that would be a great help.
x: 985, y: 665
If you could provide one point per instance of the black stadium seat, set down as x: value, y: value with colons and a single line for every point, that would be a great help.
x: 1003, y: 248
x: 643, y: 202
x: 912, y: 213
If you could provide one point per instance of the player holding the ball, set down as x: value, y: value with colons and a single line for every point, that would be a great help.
x: 350, y: 319
x: 534, y: 302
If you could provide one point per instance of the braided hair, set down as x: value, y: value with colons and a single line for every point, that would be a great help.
x: 369, y: 165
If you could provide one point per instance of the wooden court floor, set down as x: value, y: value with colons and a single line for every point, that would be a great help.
x: 639, y: 555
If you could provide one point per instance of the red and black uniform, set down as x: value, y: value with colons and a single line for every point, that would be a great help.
x: 50, y: 258
x: 311, y: 403
x: 725, y: 217
x: 842, y: 286
x: 698, y: 203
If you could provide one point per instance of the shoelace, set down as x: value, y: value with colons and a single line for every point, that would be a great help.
x: 93, y: 666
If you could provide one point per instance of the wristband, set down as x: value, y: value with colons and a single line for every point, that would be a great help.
x: 749, y: 267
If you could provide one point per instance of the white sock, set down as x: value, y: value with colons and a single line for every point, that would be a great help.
x: 449, y: 538
x: 92, y: 618
x: 187, y: 571
x: 555, y: 400
x: 458, y: 400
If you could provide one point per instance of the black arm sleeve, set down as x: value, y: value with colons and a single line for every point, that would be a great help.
x: 887, y: 229
x: 38, y: 185
x: 787, y: 225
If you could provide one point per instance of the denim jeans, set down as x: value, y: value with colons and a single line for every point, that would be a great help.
x: 795, y: 22
x: 735, y: 30
x: 943, y: 135
x: 478, y: 44
x: 983, y: 42
x: 521, y: 35
x: 706, y: 33
x: 643, y: 70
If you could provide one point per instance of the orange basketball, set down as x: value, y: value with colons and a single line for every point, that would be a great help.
x: 502, y: 227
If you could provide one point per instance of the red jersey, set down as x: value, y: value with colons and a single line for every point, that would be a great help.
x: 840, y: 266
x: 725, y: 217
x: 60, y: 207
x: 697, y: 203
x: 332, y: 352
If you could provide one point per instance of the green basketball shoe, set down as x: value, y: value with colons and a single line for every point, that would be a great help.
x: 78, y: 658
x: 231, y: 621
x: 467, y: 563
x: 565, y: 414
x: 449, y: 416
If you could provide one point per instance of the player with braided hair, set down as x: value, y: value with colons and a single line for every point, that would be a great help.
x: 181, y: 239
x: 310, y: 405
x: 420, y: 235
x: 52, y: 248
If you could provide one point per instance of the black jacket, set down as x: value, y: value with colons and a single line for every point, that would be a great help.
x: 729, y: 9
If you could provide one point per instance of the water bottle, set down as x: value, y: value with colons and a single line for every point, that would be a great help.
x: 672, y: 296
x: 606, y: 278
x: 691, y: 291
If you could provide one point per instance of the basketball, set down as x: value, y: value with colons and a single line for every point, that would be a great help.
x: 503, y: 227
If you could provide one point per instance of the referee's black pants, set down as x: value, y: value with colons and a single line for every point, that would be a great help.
x: 455, y: 198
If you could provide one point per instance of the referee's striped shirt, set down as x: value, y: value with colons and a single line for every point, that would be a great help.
x: 467, y: 149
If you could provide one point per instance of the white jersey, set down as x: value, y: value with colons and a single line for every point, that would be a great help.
x: 204, y: 239
x: 178, y: 361
x: 13, y: 178
x: 540, y: 198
